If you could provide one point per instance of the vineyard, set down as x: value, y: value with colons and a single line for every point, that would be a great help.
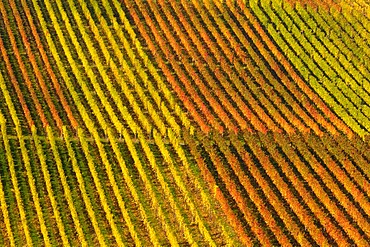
x: 185, y: 123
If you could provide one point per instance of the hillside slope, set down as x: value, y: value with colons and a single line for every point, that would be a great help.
x: 168, y: 123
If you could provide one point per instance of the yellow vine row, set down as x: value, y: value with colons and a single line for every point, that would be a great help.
x: 49, y: 188
x: 10, y: 158
x: 166, y: 187
x: 149, y: 187
x: 188, y: 197
x: 67, y: 190
x: 99, y: 187
x: 3, y: 204
x: 82, y: 187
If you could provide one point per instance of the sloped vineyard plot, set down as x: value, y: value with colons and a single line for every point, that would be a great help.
x: 184, y: 123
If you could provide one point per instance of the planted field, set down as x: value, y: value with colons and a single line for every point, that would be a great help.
x: 177, y: 123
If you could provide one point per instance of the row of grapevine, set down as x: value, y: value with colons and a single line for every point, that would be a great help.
x: 113, y: 182
x: 139, y: 90
x: 66, y: 188
x: 244, y: 204
x: 325, y: 194
x: 10, y: 158
x: 270, y: 84
x: 273, y: 198
x: 25, y: 109
x: 49, y: 110
x: 310, y: 108
x: 171, y: 77
x: 216, y: 83
x: 350, y: 62
x: 346, y: 50
x: 205, y: 199
x: 149, y: 116
x: 318, y: 117
x: 161, y: 128
x: 3, y: 203
x: 244, y: 180
x: 100, y: 191
x: 250, y: 64
x: 189, y: 198
x: 250, y: 98
x: 107, y: 82
x: 160, y: 82
x: 210, y: 179
x: 357, y: 19
x: 79, y: 227
x: 308, y: 209
x: 55, y: 55
x: 170, y: 191
x: 358, y: 121
x: 325, y: 114
x: 259, y: 103
x: 82, y: 187
x: 289, y: 167
x: 59, y: 91
x: 183, y: 77
x: 51, y: 196
x: 349, y: 164
x: 90, y: 210
x: 21, y: 67
x: 236, y: 80
x: 297, y: 94
x: 347, y: 73
x: 32, y: 59
x: 340, y: 185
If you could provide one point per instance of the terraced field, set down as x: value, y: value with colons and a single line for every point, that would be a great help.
x: 178, y: 123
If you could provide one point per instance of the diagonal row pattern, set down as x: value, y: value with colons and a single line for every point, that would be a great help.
x: 205, y: 123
